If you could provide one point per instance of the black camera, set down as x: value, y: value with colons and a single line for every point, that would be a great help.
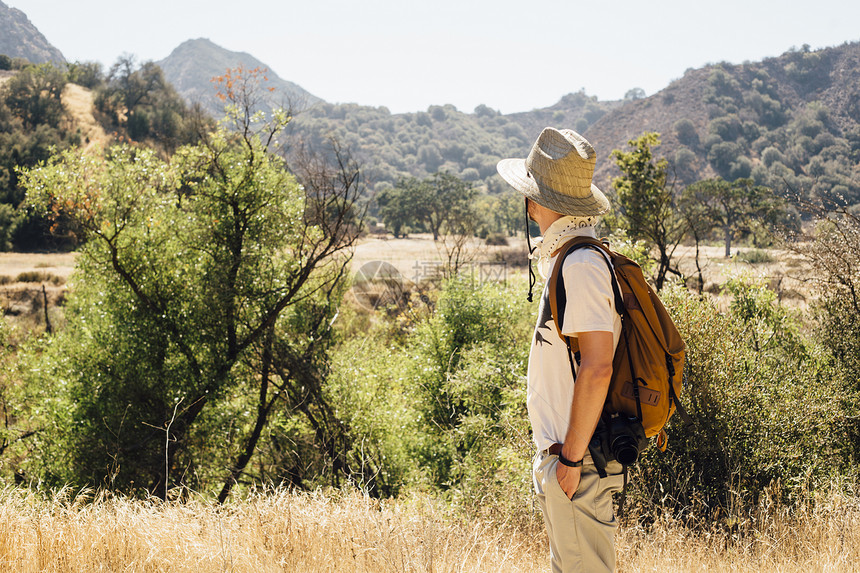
x: 619, y: 438
x: 626, y: 439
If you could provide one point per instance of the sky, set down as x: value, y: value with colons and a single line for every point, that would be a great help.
x: 408, y: 54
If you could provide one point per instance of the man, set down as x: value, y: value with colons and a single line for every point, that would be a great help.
x: 564, y: 409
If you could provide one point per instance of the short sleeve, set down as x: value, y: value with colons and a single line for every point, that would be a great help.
x: 590, y: 304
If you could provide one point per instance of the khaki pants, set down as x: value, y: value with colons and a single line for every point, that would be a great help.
x: 581, y: 531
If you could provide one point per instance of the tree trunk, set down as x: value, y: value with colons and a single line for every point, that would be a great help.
x: 699, y: 267
x: 48, y: 328
x: 264, y: 406
x: 728, y: 237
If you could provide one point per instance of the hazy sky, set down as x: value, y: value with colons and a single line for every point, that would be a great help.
x: 407, y: 55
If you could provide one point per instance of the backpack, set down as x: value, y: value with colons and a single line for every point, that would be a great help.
x: 648, y: 365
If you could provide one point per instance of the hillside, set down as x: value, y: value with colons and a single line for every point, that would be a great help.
x: 19, y: 38
x: 394, y: 146
x: 791, y: 122
x: 193, y: 64
x: 78, y: 102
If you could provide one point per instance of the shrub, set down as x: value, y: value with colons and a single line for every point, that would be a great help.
x: 686, y: 132
x: 768, y: 412
x: 473, y: 326
x: 369, y: 386
x: 497, y: 240
x: 39, y: 277
x: 755, y: 256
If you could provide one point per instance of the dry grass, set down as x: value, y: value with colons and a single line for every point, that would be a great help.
x: 823, y: 536
x: 416, y: 257
x: 283, y: 531
x: 79, y: 104
x: 22, y: 277
x: 57, y: 264
x: 278, y: 531
x: 786, y: 272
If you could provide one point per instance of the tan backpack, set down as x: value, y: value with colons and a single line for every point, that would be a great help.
x: 648, y: 366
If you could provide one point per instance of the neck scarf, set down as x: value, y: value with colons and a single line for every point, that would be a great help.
x: 561, y: 229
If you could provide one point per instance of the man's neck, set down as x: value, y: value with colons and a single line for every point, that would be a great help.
x: 544, y: 218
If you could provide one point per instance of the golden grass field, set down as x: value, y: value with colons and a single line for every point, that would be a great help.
x: 278, y: 530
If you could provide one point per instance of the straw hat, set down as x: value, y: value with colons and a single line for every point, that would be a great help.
x: 557, y: 174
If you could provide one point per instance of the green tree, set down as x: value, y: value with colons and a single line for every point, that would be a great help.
x: 205, y: 295
x: 731, y: 207
x: 138, y: 100
x: 508, y: 213
x: 686, y: 132
x: 634, y: 93
x: 86, y: 74
x: 442, y: 204
x: 648, y: 203
x: 396, y: 208
x: 699, y: 226
x: 34, y: 95
x: 22, y: 145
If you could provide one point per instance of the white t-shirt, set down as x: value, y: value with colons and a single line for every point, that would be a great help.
x: 590, y: 306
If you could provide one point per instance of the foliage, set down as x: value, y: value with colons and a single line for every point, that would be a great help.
x: 832, y: 250
x: 33, y: 94
x: 771, y: 412
x: 139, y: 102
x: 445, y: 205
x: 89, y: 75
x: 31, y: 125
x: 756, y: 256
x: 397, y: 208
x: 637, y: 251
x: 394, y: 147
x: 469, y: 387
x: 647, y: 201
x: 769, y: 415
x: 204, y: 293
x: 371, y: 385
x: 686, y: 132
x: 724, y: 115
x: 496, y: 240
x: 17, y: 429
x: 731, y: 207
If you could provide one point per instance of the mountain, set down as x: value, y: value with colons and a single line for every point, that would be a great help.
x: 193, y: 64
x: 790, y: 122
x: 19, y: 38
x: 390, y: 147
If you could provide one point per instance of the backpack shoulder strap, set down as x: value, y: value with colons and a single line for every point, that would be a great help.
x: 557, y: 293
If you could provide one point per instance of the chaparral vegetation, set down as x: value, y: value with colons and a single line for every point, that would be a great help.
x: 213, y: 386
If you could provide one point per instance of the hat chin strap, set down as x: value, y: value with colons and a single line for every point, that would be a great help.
x: 532, y: 277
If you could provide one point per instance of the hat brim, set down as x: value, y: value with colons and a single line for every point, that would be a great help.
x: 515, y: 173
